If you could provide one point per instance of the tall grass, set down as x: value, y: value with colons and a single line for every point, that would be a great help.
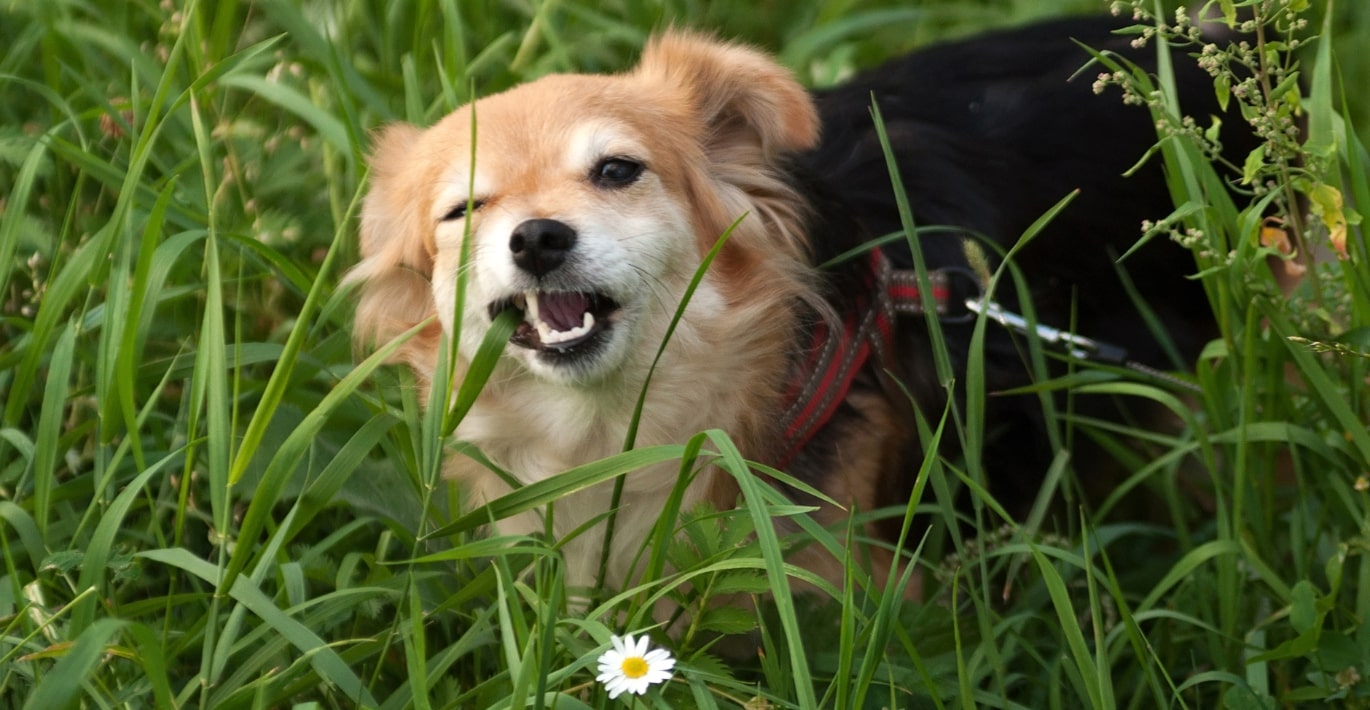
x: 206, y: 500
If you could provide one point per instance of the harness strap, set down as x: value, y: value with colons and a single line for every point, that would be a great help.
x: 833, y: 359
x: 903, y: 293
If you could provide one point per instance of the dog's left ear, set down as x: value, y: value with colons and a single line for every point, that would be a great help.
x: 743, y: 97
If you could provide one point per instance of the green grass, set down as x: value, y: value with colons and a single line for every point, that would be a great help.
x: 207, y: 500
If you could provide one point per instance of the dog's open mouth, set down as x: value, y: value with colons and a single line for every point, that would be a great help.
x: 557, y: 321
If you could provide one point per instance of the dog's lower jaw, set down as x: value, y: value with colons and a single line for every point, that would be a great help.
x: 583, y: 364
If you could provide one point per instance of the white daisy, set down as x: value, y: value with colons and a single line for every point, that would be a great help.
x: 630, y: 666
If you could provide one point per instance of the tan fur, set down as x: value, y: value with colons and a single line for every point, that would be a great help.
x: 868, y: 444
x: 711, y: 121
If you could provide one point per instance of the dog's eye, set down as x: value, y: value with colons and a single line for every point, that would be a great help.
x: 459, y: 210
x: 616, y: 172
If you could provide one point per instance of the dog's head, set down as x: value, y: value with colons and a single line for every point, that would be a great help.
x: 586, y: 204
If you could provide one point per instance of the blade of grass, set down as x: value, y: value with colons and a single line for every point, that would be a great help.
x: 131, y: 330
x: 541, y: 493
x: 730, y: 460
x: 96, y: 556
x: 16, y: 206
x: 61, y: 687
x: 281, y: 374
x: 50, y: 418
x: 630, y: 438
x: 330, y: 666
x: 292, y: 451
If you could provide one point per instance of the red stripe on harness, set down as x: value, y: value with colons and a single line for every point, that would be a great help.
x: 822, y: 380
x: 908, y: 293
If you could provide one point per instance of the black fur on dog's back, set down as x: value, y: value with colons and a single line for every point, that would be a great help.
x: 988, y: 134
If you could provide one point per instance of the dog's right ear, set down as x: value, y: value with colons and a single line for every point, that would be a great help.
x: 394, y: 273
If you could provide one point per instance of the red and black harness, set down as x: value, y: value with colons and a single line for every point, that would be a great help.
x: 824, y: 376
x: 833, y: 359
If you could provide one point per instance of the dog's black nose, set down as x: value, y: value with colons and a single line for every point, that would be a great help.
x: 539, y: 246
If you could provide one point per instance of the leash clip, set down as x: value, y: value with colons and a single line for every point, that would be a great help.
x: 1077, y: 346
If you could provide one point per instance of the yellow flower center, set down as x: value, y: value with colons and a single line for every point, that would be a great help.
x: 634, y: 667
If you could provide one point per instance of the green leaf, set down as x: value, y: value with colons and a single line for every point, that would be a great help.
x: 1339, y: 651
x: 1303, y: 607
x: 1255, y: 161
x: 1229, y: 9
x: 748, y: 582
x: 727, y: 620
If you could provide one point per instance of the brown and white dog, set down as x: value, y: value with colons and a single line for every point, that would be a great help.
x: 590, y: 201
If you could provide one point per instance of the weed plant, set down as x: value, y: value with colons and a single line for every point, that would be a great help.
x: 206, y: 500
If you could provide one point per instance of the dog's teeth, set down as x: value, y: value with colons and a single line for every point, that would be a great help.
x: 555, y: 337
x: 530, y: 306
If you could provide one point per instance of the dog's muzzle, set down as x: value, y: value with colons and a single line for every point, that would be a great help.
x: 555, y: 320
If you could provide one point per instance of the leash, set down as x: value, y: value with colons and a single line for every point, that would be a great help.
x: 830, y: 364
x: 1077, y: 346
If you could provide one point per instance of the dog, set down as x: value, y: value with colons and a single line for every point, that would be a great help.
x: 586, y: 204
